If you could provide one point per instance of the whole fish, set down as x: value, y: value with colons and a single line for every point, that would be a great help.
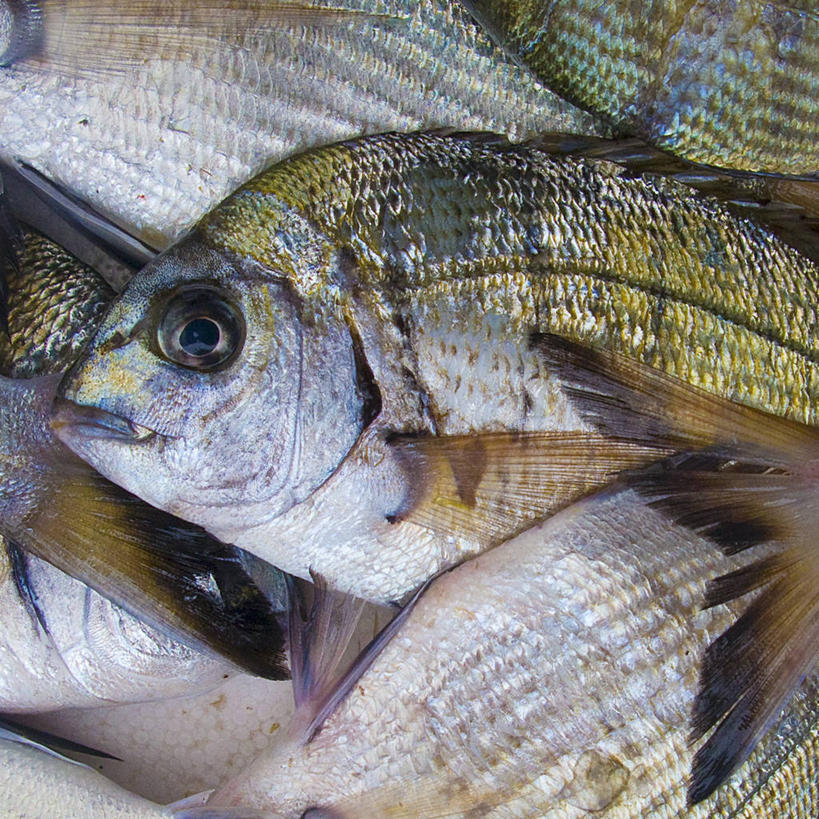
x: 64, y: 644
x: 356, y: 366
x: 154, y: 111
x: 341, y: 368
x: 732, y: 84
x: 551, y: 677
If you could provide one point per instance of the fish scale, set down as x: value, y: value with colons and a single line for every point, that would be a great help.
x: 731, y: 84
x: 158, y: 143
x: 428, y: 265
x: 551, y: 677
x: 642, y: 265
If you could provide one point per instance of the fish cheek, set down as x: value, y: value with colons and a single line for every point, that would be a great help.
x: 338, y: 398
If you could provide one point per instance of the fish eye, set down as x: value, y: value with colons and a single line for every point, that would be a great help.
x: 200, y: 328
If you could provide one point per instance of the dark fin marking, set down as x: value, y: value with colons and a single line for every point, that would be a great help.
x: 93, y: 39
x: 744, y: 478
x: 170, y: 573
x: 752, y: 669
x: 491, y: 486
x: 787, y: 206
x: 48, y: 742
x: 318, y: 687
x: 68, y: 221
x: 365, y: 380
x: 18, y: 564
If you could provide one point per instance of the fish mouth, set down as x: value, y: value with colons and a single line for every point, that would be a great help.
x: 93, y: 422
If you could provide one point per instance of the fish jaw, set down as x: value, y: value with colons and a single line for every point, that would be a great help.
x: 226, y: 446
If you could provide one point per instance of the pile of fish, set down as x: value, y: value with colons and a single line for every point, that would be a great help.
x: 317, y: 307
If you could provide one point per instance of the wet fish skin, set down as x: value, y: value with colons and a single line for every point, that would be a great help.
x: 154, y: 140
x: 57, y: 303
x: 553, y: 676
x: 80, y: 650
x: 390, y: 286
x: 721, y: 83
x: 64, y: 644
x: 33, y: 783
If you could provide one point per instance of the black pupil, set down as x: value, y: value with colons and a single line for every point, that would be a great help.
x: 199, y: 337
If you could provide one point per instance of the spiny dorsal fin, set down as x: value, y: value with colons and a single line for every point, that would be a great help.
x: 320, y: 631
x: 491, y: 486
x: 743, y: 478
x: 91, y: 38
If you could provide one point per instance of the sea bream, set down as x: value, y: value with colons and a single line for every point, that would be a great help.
x: 340, y: 369
x: 155, y: 111
x: 355, y: 367
x: 732, y: 84
x: 555, y: 676
x: 552, y: 677
x: 63, y: 643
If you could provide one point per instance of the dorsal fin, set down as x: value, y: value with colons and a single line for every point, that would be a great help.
x: 743, y: 478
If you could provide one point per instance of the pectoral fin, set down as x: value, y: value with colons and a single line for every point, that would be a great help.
x: 43, y: 205
x: 489, y: 487
x: 743, y: 478
x: 322, y: 624
x: 170, y: 573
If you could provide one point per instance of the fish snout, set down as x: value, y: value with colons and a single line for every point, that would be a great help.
x: 94, y: 422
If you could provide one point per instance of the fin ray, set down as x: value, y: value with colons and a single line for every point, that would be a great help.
x: 489, y: 487
x: 749, y: 481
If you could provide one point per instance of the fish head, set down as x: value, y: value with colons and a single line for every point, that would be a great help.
x: 212, y: 388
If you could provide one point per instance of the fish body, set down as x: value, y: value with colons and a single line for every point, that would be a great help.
x: 33, y: 783
x: 57, y: 302
x: 554, y: 677
x: 720, y: 83
x: 377, y: 406
x: 64, y: 644
x: 154, y: 112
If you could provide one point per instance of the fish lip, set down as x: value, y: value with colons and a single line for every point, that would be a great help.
x: 93, y: 422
